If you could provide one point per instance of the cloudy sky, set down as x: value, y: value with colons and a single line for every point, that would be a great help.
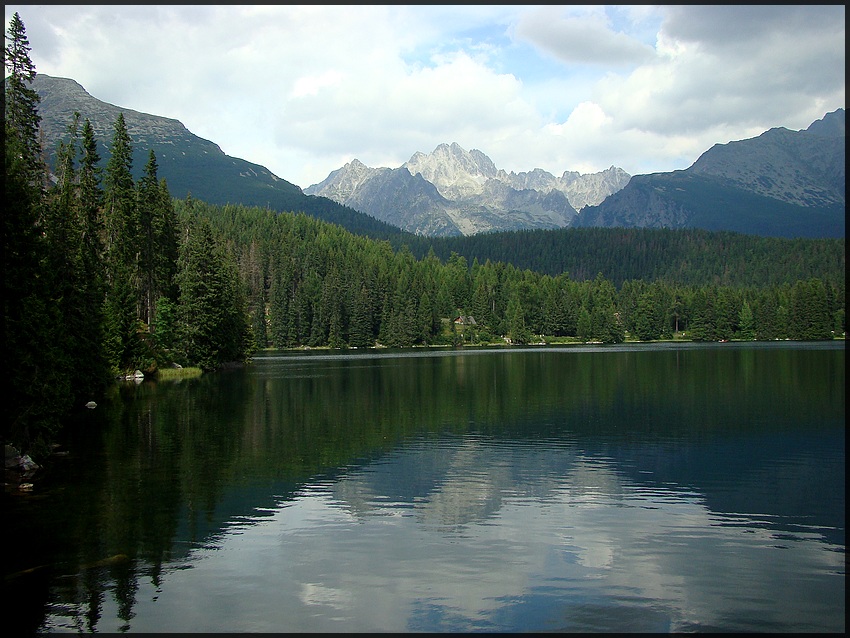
x: 304, y: 89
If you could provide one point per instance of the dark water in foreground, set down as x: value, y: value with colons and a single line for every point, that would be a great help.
x: 657, y: 488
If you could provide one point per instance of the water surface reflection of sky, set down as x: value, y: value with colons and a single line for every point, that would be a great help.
x: 469, y: 534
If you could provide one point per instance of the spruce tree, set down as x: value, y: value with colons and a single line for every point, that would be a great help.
x: 120, y: 201
x: 199, y: 303
x: 64, y: 229
x: 213, y: 320
x: 157, y: 243
x: 167, y: 231
x: 148, y: 201
x: 360, y: 328
x: 121, y: 250
x: 746, y: 326
x: 518, y: 331
x: 21, y: 105
x: 95, y: 368
x: 37, y: 393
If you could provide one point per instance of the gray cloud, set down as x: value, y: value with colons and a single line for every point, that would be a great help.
x: 580, y: 40
x: 749, y: 26
x: 304, y: 89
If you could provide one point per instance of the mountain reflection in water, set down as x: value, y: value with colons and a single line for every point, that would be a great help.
x: 587, y: 489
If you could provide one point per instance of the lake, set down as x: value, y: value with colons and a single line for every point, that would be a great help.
x: 673, y: 487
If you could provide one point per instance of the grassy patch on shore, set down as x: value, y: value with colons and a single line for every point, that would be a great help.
x: 167, y: 374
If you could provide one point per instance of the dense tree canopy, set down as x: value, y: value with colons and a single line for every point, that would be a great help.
x: 327, y: 287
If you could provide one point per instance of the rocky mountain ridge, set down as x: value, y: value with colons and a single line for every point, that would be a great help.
x: 781, y: 183
x: 61, y: 97
x: 469, y: 195
x: 797, y: 167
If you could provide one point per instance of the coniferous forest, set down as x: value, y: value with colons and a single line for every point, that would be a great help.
x: 104, y: 275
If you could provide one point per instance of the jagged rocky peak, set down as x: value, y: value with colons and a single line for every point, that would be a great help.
x: 830, y: 125
x: 344, y: 182
x: 570, y: 176
x: 536, y: 179
x: 593, y: 188
x: 581, y: 190
x: 467, y: 194
x: 457, y: 173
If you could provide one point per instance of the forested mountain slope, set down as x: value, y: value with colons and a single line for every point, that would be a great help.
x: 189, y: 164
x: 685, y: 256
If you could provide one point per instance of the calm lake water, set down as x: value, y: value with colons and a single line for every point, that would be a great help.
x: 632, y: 488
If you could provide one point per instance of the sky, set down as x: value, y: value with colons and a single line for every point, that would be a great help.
x: 302, y: 90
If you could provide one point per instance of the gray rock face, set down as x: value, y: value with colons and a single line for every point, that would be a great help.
x: 791, y: 166
x: 60, y: 97
x: 456, y: 173
x: 468, y: 194
x: 344, y: 182
x: 782, y: 183
x: 633, y: 204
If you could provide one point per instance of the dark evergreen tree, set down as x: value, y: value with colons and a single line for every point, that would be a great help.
x: 702, y: 326
x: 213, y: 321
x: 38, y: 392
x: 148, y: 202
x: 360, y: 329
x: 650, y: 320
x: 281, y: 320
x: 201, y: 294
x: 481, y: 302
x: 458, y: 281
x: 584, y: 325
x: 605, y: 322
x: 676, y: 312
x: 746, y: 323
x: 427, y: 319
x: 121, y: 254
x: 727, y: 308
x: 627, y: 302
x: 94, y: 364
x: 167, y: 241
x: 809, y: 313
x: 20, y: 107
x: 119, y: 215
x: 765, y: 308
x: 75, y: 265
x: 253, y: 272
x: 165, y: 336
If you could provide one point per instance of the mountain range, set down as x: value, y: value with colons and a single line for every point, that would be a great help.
x: 451, y: 191
x: 782, y: 183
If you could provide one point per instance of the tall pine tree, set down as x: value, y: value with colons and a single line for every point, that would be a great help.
x: 37, y: 394
x: 95, y: 367
x: 214, y: 326
x: 122, y: 254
